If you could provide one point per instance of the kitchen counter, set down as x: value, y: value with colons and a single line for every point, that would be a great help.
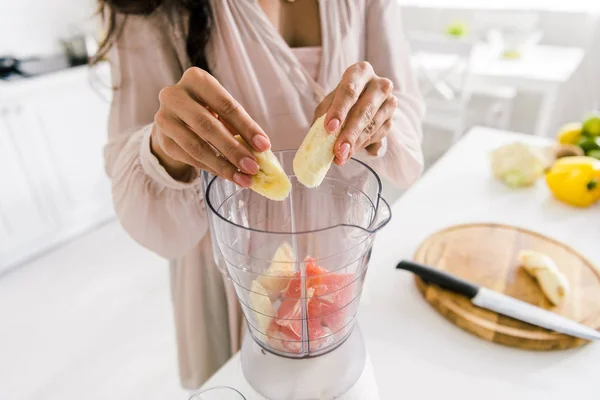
x: 98, y: 75
x: 415, y: 352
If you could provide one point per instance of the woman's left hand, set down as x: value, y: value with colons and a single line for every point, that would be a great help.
x: 363, y: 104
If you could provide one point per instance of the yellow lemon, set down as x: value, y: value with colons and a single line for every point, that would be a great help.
x: 570, y: 133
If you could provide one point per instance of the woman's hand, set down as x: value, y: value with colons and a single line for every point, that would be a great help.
x: 195, y: 125
x: 363, y: 104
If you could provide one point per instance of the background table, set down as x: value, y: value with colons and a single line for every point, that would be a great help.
x: 416, y: 353
x: 543, y: 70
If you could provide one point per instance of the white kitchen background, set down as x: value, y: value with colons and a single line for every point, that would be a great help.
x: 54, y: 194
x: 52, y: 129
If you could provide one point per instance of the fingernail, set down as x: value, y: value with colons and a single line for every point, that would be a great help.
x: 249, y: 165
x: 333, y: 125
x: 242, y: 179
x: 261, y: 143
x: 344, y: 151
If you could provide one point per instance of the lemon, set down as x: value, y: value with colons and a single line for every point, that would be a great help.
x: 591, y: 125
x: 570, y: 133
x: 594, y: 153
x: 588, y: 144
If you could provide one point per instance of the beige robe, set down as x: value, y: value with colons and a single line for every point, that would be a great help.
x: 251, y: 60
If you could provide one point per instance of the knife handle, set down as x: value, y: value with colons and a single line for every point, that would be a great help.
x: 440, y: 278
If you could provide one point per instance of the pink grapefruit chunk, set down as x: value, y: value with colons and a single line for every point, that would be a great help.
x: 327, y: 298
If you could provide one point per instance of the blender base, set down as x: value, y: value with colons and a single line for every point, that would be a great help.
x: 324, y: 377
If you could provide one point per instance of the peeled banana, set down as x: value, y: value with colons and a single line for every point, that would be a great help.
x: 262, y: 306
x: 271, y: 180
x: 541, y: 267
x: 282, y: 267
x: 313, y: 158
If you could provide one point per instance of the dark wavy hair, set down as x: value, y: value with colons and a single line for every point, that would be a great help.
x: 200, y: 23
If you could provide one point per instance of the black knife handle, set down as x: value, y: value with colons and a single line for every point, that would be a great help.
x: 440, y: 278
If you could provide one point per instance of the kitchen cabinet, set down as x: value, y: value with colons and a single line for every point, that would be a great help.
x: 52, y: 133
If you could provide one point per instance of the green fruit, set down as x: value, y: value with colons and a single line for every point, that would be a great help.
x: 588, y: 143
x: 591, y: 125
x: 594, y: 153
x: 457, y: 29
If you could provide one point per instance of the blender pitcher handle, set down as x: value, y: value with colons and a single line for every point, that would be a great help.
x: 383, y: 215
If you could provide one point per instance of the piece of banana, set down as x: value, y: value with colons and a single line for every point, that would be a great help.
x: 262, y: 306
x: 271, y: 180
x: 313, y: 158
x: 543, y: 268
x: 281, y: 270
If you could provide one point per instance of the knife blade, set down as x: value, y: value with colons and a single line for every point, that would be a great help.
x: 501, y: 303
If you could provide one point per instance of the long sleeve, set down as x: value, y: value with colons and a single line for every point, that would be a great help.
x: 388, y: 52
x: 162, y: 214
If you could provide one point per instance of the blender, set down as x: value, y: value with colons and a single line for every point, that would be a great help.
x: 298, y: 268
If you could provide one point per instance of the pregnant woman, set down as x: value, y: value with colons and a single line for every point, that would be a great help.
x: 192, y: 72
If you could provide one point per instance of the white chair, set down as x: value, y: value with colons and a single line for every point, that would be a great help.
x: 442, y: 66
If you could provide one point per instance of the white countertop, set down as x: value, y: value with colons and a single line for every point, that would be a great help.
x: 416, y: 353
x: 98, y: 74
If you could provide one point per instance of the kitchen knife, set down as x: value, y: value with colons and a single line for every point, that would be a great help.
x: 501, y: 303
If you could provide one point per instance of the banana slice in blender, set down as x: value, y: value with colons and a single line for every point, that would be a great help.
x: 313, y: 158
x: 262, y: 306
x: 281, y: 270
x: 271, y: 180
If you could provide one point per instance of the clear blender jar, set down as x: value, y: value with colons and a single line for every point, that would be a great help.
x: 298, y: 268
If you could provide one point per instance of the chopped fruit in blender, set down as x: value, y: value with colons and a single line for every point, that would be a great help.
x: 262, y: 306
x: 332, y: 295
x: 289, y: 314
x: 327, y: 298
x: 284, y: 339
x: 282, y: 267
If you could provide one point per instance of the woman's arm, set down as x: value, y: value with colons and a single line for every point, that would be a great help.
x: 388, y: 52
x: 163, y: 214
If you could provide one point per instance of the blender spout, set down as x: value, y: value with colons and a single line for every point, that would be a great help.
x: 383, y: 215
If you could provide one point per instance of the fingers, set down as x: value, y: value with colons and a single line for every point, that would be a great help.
x: 205, y: 89
x: 206, y: 127
x: 323, y: 106
x: 178, y: 148
x: 347, y: 93
x: 373, y: 132
x: 361, y: 121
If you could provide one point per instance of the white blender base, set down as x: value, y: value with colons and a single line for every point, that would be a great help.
x: 342, y: 374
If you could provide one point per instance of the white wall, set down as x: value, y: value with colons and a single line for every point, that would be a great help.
x: 33, y: 27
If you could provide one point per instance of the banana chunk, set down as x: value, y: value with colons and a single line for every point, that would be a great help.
x: 543, y: 268
x: 271, y: 180
x: 313, y: 158
x: 262, y: 306
x: 278, y: 275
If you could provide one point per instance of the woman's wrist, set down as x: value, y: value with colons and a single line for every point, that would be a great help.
x: 178, y: 170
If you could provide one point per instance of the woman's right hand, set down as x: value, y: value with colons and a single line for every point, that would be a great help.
x: 195, y: 125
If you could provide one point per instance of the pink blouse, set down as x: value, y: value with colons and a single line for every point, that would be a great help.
x: 310, y: 58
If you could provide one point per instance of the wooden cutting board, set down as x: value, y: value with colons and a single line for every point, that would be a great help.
x: 486, y: 254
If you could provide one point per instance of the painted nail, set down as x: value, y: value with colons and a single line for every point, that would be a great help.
x: 242, y: 179
x: 249, y: 165
x: 344, y: 151
x: 333, y: 125
x: 261, y: 143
